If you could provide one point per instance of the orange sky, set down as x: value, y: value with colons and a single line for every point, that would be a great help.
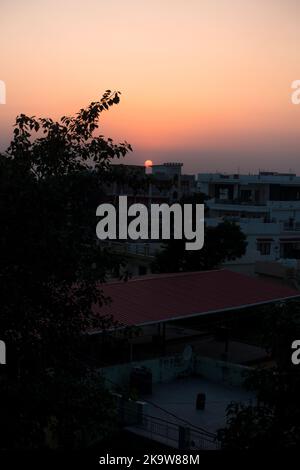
x: 205, y: 82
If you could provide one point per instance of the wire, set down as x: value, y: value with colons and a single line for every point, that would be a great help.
x: 202, y: 430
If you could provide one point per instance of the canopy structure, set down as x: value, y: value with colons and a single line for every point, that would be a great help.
x: 168, y: 297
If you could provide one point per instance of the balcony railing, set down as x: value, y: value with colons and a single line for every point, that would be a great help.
x: 195, y: 439
x: 294, y: 227
x: 237, y: 202
x: 132, y: 248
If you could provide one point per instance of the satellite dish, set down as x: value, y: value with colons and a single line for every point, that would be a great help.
x: 187, y: 353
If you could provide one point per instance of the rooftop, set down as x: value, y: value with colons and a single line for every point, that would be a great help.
x: 161, y: 298
x: 176, y: 401
x: 173, y: 404
x: 262, y: 177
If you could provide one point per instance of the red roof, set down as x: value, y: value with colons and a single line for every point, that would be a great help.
x: 165, y: 297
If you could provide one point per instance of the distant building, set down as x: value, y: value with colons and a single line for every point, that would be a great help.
x: 168, y: 183
x: 255, y: 190
x: 165, y: 185
x: 169, y: 169
x: 183, y: 185
x: 266, y: 205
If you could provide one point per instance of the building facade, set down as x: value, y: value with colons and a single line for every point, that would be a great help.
x: 266, y: 206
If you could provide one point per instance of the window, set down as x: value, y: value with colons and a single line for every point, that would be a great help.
x: 224, y: 194
x: 264, y: 248
x: 246, y: 195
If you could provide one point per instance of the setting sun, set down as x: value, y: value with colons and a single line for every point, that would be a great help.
x: 148, y: 163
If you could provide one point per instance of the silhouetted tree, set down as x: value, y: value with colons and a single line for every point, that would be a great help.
x: 225, y: 242
x: 50, y: 269
x: 273, y: 422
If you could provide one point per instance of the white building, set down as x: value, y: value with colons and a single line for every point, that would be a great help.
x: 267, y: 207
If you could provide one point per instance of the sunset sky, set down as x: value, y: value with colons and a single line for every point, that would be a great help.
x: 205, y: 82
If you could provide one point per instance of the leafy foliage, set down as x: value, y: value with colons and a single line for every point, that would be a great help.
x: 273, y: 421
x: 224, y: 242
x: 51, y: 181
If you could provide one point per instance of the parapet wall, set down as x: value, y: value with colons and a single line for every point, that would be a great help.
x: 166, y: 369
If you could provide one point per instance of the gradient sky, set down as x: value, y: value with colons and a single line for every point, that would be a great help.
x: 205, y: 82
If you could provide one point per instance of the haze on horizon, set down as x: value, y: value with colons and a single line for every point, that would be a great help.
x: 205, y: 82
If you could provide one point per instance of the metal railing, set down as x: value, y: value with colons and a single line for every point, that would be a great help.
x: 160, y: 427
x: 237, y: 202
x: 130, y: 248
x: 291, y: 227
x: 198, y: 441
x: 170, y: 432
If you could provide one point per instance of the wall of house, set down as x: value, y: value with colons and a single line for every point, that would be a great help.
x: 166, y: 369
x: 220, y: 371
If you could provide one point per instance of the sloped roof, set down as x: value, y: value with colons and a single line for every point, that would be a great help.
x: 161, y: 298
